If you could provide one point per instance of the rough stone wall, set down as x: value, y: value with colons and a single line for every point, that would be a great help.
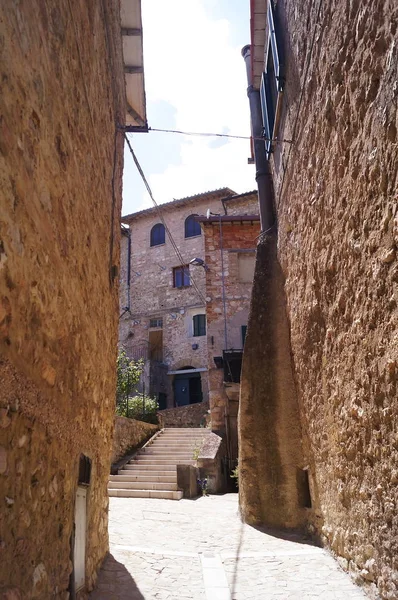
x: 237, y: 294
x: 129, y: 434
x: 192, y: 415
x: 336, y: 188
x: 270, y: 450
x: 62, y: 93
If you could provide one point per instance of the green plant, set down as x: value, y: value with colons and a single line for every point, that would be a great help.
x: 140, y: 407
x: 203, y: 486
x: 128, y: 375
x: 235, y: 475
x: 195, y: 452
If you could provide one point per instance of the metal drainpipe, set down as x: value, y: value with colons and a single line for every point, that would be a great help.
x: 263, y: 172
x: 128, y: 231
x: 223, y: 287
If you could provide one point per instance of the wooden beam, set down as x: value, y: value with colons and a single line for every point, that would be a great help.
x: 137, y: 118
x: 131, y: 31
x: 131, y: 70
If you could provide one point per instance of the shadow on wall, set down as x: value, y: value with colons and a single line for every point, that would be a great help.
x: 114, y: 576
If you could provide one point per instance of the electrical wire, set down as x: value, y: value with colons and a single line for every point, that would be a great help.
x: 160, y: 214
x: 221, y: 135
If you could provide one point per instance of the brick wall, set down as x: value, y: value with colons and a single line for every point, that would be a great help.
x: 58, y: 307
x: 235, y: 236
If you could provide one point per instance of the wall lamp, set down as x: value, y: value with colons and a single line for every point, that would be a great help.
x: 199, y: 262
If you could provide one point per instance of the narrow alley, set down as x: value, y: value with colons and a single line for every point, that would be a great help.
x: 200, y: 550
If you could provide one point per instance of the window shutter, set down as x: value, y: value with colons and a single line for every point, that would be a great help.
x: 265, y: 109
x: 192, y: 227
x: 274, y: 49
x: 157, y: 235
x: 272, y: 81
x: 199, y: 325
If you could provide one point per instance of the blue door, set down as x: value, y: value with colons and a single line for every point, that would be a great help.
x: 181, y: 391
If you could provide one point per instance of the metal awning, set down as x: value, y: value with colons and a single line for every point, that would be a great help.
x: 186, y: 371
x: 131, y: 23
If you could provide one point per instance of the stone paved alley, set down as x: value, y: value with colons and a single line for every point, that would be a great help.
x: 200, y: 550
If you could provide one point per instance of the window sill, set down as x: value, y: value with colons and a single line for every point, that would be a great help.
x: 158, y: 245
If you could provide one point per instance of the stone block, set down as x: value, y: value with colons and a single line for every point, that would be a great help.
x: 187, y: 480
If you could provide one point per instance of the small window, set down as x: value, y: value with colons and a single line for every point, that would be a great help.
x: 156, y: 322
x: 157, y: 235
x: 192, y: 227
x: 84, y: 470
x: 246, y: 265
x: 199, y: 325
x: 181, y: 277
x: 243, y: 330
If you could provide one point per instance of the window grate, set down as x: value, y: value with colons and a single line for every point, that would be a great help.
x: 156, y: 322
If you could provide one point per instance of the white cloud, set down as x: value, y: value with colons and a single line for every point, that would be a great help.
x: 190, y: 62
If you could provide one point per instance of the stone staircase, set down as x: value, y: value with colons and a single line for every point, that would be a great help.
x: 152, y: 473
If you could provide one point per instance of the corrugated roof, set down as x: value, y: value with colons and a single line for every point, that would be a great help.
x: 218, y: 193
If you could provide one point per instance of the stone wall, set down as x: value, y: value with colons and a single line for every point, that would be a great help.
x: 130, y: 434
x: 336, y: 191
x: 192, y: 415
x: 62, y: 94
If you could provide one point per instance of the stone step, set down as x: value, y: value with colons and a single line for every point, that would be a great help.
x: 163, y: 461
x: 165, y: 469
x: 142, y: 485
x: 145, y: 472
x: 175, y: 443
x: 165, y: 456
x: 163, y: 494
x: 132, y: 476
x: 160, y: 452
x: 182, y: 436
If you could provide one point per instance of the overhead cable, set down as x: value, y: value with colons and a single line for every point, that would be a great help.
x: 160, y: 214
x: 221, y: 135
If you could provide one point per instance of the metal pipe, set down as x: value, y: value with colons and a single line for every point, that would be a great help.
x: 223, y: 287
x: 263, y: 172
x: 127, y: 232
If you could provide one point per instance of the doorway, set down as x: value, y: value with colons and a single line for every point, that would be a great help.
x: 187, y: 388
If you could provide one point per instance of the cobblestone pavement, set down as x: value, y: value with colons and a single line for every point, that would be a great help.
x: 200, y: 550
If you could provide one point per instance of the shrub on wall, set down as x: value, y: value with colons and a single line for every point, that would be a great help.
x: 140, y: 407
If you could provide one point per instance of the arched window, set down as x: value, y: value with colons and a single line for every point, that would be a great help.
x: 192, y: 227
x: 157, y: 234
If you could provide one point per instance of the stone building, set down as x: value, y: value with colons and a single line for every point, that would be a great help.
x: 166, y: 298
x: 324, y: 454
x: 63, y: 98
x: 230, y: 243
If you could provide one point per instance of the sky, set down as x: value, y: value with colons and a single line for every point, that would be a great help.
x: 195, y: 80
